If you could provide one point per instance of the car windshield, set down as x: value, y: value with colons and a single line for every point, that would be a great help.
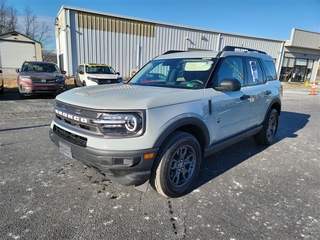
x: 175, y: 73
x: 40, y: 67
x: 102, y: 69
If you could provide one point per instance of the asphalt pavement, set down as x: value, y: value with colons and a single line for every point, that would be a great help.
x: 243, y: 192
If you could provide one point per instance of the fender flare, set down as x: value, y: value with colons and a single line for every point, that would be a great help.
x: 202, y: 132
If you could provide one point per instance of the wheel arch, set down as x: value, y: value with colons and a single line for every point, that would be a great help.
x: 275, y: 104
x: 191, y: 125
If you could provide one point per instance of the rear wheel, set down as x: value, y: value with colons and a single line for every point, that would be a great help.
x: 269, y: 130
x: 177, y: 165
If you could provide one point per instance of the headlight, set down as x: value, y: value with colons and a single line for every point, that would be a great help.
x: 120, y: 124
x: 93, y: 79
x: 59, y: 78
x: 25, y: 78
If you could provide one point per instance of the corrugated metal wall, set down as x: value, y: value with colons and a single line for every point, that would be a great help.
x: 128, y: 44
x: 305, y: 39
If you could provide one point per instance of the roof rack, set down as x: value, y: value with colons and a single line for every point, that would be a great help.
x: 244, y: 49
x: 173, y: 51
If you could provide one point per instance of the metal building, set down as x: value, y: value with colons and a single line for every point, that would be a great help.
x: 301, y: 57
x: 127, y: 44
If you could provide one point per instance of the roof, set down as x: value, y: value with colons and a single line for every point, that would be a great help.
x: 15, y: 33
x: 160, y: 23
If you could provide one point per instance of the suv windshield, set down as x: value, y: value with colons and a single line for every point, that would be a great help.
x: 100, y: 69
x: 40, y: 67
x: 175, y: 73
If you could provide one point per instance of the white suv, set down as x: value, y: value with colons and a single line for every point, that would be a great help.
x: 90, y: 74
x: 179, y: 108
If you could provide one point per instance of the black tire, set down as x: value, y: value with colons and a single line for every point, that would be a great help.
x: 269, y: 130
x: 22, y: 96
x: 177, y: 165
x: 2, y: 87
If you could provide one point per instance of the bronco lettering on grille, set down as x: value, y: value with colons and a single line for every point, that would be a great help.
x: 71, y: 116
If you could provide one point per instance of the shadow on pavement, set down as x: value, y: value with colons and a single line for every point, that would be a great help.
x: 224, y: 160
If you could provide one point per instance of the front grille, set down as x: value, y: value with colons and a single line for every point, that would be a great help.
x: 73, y: 138
x: 43, y: 80
x: 107, y: 81
x: 77, y: 117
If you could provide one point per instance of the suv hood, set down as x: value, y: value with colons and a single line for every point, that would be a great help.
x: 104, y: 76
x: 124, y: 96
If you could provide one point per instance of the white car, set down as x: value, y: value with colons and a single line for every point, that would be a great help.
x: 90, y: 74
x: 179, y: 108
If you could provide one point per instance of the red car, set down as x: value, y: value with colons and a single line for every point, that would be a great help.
x: 1, y: 84
x: 40, y: 77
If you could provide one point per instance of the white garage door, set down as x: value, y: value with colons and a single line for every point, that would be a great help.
x: 13, y: 54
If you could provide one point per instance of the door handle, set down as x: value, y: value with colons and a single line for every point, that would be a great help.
x: 244, y: 97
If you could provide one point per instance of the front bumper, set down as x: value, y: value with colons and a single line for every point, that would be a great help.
x: 125, y: 167
x: 29, y: 89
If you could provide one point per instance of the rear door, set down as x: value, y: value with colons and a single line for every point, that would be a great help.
x: 259, y: 90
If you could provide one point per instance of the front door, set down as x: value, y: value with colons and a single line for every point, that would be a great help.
x: 230, y: 109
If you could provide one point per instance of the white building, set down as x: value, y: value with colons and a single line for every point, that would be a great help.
x: 129, y: 43
x: 301, y: 57
x: 15, y: 48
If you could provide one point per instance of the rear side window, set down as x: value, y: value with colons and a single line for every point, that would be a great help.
x: 270, y: 70
x: 255, y: 74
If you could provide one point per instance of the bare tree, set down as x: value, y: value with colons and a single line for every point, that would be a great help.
x: 8, y: 17
x: 35, y: 29
x: 12, y: 19
x: 29, y: 25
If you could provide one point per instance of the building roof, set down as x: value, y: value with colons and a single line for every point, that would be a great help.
x: 15, y: 34
x: 160, y: 23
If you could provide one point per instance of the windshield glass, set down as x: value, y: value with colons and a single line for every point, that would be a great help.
x: 175, y: 73
x: 40, y: 67
x: 101, y: 69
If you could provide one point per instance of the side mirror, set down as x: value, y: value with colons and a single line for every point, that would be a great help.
x: 17, y: 70
x: 63, y: 72
x: 229, y: 84
x: 118, y: 73
x: 0, y: 71
x: 81, y: 72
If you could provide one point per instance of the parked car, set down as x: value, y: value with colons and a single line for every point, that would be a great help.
x: 1, y: 84
x: 40, y: 77
x: 89, y: 74
x: 179, y: 108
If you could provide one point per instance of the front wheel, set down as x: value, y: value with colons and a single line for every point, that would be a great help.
x: 269, y: 130
x: 177, y: 165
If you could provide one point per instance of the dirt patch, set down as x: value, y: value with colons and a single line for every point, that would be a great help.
x: 11, y: 83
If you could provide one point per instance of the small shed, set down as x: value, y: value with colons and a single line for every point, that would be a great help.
x: 15, y: 48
